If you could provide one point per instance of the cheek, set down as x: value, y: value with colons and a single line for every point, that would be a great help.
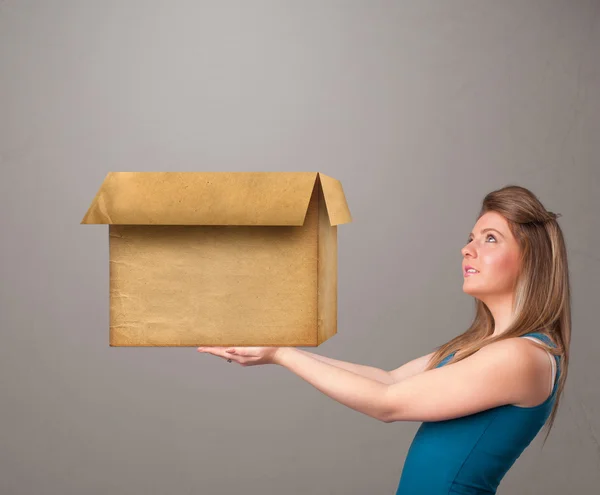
x: 500, y: 265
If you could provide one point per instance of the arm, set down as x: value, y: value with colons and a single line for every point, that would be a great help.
x: 377, y: 374
x: 411, y: 368
x: 501, y: 373
x: 355, y: 391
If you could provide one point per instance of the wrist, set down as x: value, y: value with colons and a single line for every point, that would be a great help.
x: 280, y: 353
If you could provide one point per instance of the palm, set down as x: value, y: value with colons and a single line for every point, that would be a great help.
x: 245, y: 356
x: 256, y: 355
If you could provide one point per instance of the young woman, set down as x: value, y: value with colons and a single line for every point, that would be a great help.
x: 483, y: 396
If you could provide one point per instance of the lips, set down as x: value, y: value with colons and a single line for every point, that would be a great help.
x: 469, y: 267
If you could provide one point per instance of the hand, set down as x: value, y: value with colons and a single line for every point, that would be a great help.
x: 246, y: 356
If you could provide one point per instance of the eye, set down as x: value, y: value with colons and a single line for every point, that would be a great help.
x: 488, y: 236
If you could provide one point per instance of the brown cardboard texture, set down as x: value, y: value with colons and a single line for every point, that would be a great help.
x: 221, y: 258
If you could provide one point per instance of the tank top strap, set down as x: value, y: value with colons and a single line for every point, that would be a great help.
x: 543, y: 337
x: 445, y: 360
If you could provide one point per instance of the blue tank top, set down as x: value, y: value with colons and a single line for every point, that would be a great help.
x: 471, y: 454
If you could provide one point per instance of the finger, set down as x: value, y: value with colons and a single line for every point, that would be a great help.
x: 239, y: 351
x: 244, y: 351
x: 222, y: 353
x: 211, y: 349
x: 217, y: 351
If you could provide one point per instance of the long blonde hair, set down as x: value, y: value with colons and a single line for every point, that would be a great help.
x: 542, y: 289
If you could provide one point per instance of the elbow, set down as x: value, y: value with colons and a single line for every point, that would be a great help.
x: 386, y: 416
x: 388, y: 409
x: 391, y: 417
x: 387, y: 419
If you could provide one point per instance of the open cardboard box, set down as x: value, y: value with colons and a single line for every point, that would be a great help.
x: 221, y: 258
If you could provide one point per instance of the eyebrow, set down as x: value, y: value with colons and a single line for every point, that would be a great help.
x: 485, y: 230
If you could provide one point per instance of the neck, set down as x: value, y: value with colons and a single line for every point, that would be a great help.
x: 501, y: 307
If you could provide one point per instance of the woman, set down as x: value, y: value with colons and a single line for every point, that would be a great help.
x: 485, y: 395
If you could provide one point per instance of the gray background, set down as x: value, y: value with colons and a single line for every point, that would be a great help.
x: 418, y: 108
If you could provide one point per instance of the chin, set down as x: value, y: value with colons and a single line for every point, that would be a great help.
x: 471, y: 291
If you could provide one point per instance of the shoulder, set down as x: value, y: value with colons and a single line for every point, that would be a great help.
x: 520, y: 363
x: 511, y: 352
x: 524, y: 360
x: 523, y: 354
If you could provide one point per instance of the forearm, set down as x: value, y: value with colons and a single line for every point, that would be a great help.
x: 371, y: 372
x: 357, y: 392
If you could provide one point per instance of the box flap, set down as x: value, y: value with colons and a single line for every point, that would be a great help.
x: 335, y: 200
x: 213, y: 198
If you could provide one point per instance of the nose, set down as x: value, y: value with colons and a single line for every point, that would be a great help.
x: 467, y: 250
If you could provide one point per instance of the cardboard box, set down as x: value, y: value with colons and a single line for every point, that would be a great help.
x: 221, y: 258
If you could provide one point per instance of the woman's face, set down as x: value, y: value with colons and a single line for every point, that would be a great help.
x: 494, y: 254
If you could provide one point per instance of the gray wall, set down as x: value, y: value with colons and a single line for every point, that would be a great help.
x: 418, y: 108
